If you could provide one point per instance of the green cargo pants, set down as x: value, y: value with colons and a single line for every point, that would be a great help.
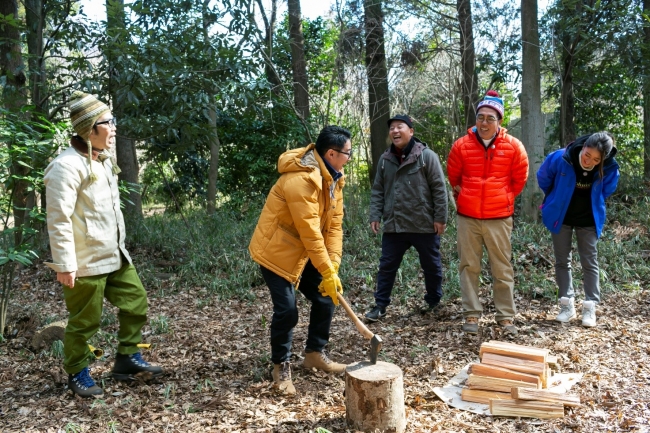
x: 85, y: 302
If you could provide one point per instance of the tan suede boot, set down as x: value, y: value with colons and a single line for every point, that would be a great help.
x: 320, y: 361
x: 508, y: 327
x: 282, y: 378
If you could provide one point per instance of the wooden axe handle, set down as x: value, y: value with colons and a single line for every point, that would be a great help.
x: 363, y: 329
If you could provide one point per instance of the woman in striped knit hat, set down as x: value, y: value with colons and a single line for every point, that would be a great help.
x: 86, y: 230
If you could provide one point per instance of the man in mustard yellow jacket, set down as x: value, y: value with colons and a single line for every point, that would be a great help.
x: 298, y: 245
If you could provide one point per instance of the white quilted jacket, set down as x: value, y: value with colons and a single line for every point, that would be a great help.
x: 84, y: 220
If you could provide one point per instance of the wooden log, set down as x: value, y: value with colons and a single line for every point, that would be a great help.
x: 374, y: 397
x: 546, y: 377
x: 508, y: 343
x: 542, y: 395
x: 552, y: 362
x: 514, y: 350
x: 516, y: 364
x: 495, y: 384
x: 44, y: 337
x: 530, y: 409
x: 504, y: 373
x: 482, y: 396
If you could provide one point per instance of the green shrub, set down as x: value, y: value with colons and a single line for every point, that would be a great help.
x: 212, y: 252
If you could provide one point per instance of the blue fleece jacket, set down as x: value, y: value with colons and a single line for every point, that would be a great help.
x: 557, y: 178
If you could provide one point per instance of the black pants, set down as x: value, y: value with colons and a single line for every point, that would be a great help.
x: 393, y: 248
x: 285, y: 312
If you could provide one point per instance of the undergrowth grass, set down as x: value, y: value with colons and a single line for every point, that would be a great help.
x: 211, y: 253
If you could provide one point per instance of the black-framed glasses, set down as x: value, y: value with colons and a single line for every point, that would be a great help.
x: 109, y: 122
x: 489, y: 119
x: 348, y: 154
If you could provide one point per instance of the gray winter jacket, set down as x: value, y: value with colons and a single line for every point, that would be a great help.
x: 412, y: 196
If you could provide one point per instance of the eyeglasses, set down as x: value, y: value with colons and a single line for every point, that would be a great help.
x: 109, y: 122
x: 349, y: 154
x: 489, y: 119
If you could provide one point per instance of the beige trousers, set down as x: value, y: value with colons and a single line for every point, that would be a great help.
x: 495, y: 235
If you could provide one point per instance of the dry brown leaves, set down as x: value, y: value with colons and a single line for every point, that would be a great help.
x: 217, y: 358
x: 624, y: 232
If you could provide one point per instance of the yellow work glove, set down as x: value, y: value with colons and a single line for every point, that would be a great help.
x: 330, y: 285
x: 336, y: 267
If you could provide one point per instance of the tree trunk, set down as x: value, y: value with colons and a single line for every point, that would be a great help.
x: 11, y: 68
x: 468, y: 59
x: 269, y: 31
x: 213, y: 174
x: 567, y: 103
x: 378, y: 103
x: 125, y: 150
x: 532, y: 121
x: 11, y: 60
x: 35, y: 19
x: 646, y: 94
x: 298, y: 65
x: 374, y: 397
x: 215, y: 144
x: 127, y: 160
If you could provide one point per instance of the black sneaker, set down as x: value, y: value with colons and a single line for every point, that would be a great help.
x: 376, y: 313
x: 83, y: 385
x: 128, y: 366
x: 428, y: 308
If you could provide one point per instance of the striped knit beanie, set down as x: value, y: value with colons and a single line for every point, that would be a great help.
x: 493, y: 101
x: 85, y: 109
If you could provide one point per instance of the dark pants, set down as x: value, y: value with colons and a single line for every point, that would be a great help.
x: 393, y: 248
x: 285, y: 312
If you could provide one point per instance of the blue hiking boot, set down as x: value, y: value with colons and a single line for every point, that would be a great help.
x: 83, y: 385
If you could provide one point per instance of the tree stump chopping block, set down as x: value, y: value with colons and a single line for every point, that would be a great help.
x: 43, y: 338
x: 374, y: 397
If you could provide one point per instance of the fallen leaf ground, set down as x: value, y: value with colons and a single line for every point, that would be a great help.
x: 216, y: 354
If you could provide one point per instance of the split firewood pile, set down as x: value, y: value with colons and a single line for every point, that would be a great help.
x: 514, y: 380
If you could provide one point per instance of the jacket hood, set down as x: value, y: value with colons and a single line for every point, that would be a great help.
x: 303, y: 159
x: 299, y: 159
x: 580, y: 142
x: 417, y: 140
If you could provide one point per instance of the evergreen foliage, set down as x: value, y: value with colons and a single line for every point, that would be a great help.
x: 171, y: 64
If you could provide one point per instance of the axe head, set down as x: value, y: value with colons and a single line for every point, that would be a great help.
x: 375, y: 347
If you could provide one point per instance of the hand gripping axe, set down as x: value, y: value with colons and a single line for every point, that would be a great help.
x: 375, y: 340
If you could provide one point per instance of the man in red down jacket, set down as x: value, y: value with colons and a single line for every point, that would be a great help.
x: 487, y: 169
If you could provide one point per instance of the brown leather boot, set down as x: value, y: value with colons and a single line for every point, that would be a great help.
x: 320, y: 361
x: 508, y: 327
x: 282, y: 378
x: 471, y: 325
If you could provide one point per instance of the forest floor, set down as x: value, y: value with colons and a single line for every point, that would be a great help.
x: 215, y: 354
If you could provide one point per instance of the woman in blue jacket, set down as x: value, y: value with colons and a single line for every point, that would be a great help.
x: 576, y: 181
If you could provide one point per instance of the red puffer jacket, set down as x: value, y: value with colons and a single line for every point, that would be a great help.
x: 489, y: 179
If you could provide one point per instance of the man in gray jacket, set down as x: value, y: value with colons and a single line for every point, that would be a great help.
x: 409, y: 194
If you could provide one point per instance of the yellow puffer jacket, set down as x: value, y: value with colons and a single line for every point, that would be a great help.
x: 302, y: 218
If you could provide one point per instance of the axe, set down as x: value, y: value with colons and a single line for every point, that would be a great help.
x: 375, y: 340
